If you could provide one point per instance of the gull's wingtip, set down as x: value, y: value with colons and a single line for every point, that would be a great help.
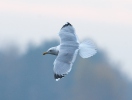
x: 67, y: 24
x: 58, y: 77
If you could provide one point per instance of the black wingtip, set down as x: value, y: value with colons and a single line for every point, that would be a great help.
x: 58, y: 76
x: 67, y: 24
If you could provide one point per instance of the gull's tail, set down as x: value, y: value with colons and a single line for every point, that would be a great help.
x: 87, y: 49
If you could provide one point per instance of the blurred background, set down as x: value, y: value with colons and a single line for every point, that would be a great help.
x: 30, y: 27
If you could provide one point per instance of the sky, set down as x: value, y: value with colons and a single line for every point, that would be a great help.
x: 107, y: 22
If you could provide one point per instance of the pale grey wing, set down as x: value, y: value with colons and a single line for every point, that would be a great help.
x: 67, y: 35
x: 64, y: 61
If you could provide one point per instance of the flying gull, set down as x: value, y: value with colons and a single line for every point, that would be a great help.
x: 67, y: 51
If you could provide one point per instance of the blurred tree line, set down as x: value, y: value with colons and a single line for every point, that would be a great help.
x: 30, y: 77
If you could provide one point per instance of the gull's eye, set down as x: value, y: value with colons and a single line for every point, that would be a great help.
x: 50, y: 50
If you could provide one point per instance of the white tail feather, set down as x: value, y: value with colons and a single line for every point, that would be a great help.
x: 87, y: 49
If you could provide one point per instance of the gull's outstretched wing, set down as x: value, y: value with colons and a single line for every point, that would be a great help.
x: 64, y: 61
x: 67, y: 35
x: 69, y: 46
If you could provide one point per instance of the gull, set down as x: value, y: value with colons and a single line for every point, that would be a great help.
x: 67, y: 51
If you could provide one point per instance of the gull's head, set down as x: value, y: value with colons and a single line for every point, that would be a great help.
x: 52, y: 51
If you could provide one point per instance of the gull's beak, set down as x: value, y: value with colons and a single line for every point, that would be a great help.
x: 44, y: 53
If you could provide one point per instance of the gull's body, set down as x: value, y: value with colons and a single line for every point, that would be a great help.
x: 67, y: 51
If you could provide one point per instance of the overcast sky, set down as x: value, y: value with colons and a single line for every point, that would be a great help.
x: 107, y: 22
